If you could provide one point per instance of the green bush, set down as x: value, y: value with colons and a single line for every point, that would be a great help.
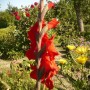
x: 3, y: 23
x: 6, y: 19
x: 7, y: 40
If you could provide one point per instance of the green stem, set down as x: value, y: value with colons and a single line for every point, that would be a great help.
x: 82, y: 72
x: 5, y: 84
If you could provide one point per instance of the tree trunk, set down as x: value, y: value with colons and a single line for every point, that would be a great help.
x: 77, y: 5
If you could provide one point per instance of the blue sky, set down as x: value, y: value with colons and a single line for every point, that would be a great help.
x: 18, y: 3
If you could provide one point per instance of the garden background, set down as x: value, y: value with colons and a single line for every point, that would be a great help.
x: 72, y: 40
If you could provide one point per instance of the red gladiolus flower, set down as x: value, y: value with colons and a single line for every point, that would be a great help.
x: 35, y: 3
x: 17, y: 17
x: 50, y: 5
x: 27, y: 14
x: 53, y: 23
x: 48, y: 66
x: 32, y: 6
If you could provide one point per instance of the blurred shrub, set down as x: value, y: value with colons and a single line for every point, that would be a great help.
x: 7, y: 41
x: 12, y: 54
x: 24, y: 19
x: 6, y: 19
x: 3, y: 23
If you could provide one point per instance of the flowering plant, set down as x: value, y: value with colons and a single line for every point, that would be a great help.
x: 24, y: 18
x: 81, y: 53
x: 42, y: 49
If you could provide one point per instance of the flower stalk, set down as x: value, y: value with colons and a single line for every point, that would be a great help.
x: 38, y: 59
x: 42, y: 49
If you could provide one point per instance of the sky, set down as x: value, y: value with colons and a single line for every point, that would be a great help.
x: 18, y: 3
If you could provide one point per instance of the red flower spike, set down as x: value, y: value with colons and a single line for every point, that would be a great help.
x: 32, y: 6
x: 35, y: 3
x: 27, y: 14
x: 17, y: 17
x: 53, y: 23
x: 50, y: 5
x: 47, y: 65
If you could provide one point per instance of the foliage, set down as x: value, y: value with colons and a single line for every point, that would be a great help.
x: 18, y: 76
x: 23, y: 25
x: 74, y: 74
x: 5, y: 19
x: 3, y: 23
x: 7, y: 40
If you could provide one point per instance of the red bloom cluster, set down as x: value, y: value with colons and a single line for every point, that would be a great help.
x: 27, y: 12
x: 48, y: 65
x: 16, y: 14
x: 35, y: 4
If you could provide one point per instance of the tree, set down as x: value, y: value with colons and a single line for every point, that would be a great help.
x: 77, y: 7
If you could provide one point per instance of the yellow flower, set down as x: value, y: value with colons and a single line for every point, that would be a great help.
x: 71, y: 47
x: 81, y: 49
x: 82, y: 59
x: 88, y: 48
x: 63, y: 61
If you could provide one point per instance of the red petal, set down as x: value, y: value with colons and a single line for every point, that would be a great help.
x: 49, y: 83
x: 49, y: 66
x: 33, y: 74
x: 53, y: 23
x: 32, y: 67
x: 33, y: 32
x: 50, y: 5
x: 30, y: 54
